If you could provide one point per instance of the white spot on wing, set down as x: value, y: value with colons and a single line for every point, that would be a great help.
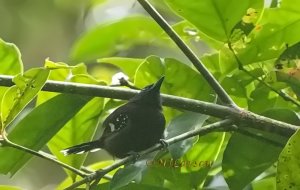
x: 94, y: 150
x: 65, y: 152
x: 112, y: 127
x: 81, y: 152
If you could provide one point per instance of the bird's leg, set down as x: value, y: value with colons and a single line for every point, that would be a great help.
x: 135, y: 155
x: 164, y: 143
x: 100, y: 175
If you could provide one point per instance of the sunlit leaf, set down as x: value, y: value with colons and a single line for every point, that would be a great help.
x: 10, y: 59
x: 17, y: 97
x: 81, y: 128
x: 213, y: 17
x: 288, y: 169
x: 37, y: 128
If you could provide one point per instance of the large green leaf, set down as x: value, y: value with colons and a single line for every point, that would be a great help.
x: 179, y: 125
x: 79, y: 129
x: 190, y: 84
x: 10, y: 59
x: 215, y: 18
x: 243, y: 160
x: 265, y: 184
x: 126, y: 175
x: 127, y: 65
x: 109, y: 38
x: 10, y: 63
x: 288, y: 169
x: 37, y: 128
x: 277, y: 27
x: 17, y: 97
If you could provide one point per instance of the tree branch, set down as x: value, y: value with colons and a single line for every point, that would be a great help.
x: 224, y: 125
x: 225, y: 98
x: 242, y: 116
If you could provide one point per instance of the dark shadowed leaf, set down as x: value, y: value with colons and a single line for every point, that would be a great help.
x: 243, y: 160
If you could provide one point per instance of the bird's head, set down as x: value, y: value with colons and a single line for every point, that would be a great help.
x: 149, y: 95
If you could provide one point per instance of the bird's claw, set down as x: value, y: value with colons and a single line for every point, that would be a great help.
x: 135, y: 155
x: 164, y: 144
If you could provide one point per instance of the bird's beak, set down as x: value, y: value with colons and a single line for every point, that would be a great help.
x: 158, y: 83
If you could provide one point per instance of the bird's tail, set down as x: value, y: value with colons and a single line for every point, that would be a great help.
x: 82, y: 148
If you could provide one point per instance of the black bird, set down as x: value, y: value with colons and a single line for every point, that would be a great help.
x: 133, y: 127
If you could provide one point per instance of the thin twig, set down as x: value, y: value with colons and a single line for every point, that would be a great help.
x: 280, y: 93
x: 224, y: 125
x: 6, y: 143
x: 225, y: 98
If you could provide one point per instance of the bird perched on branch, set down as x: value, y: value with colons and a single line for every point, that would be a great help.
x: 133, y: 127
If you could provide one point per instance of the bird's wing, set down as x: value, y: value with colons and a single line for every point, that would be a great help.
x: 116, y: 121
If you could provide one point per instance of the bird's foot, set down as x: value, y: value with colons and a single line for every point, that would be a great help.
x: 164, y: 144
x: 135, y: 155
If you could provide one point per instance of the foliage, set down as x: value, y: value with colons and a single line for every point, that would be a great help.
x: 240, y: 35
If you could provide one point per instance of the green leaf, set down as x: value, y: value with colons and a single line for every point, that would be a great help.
x: 127, y: 65
x: 190, y: 84
x: 77, y: 73
x: 126, y: 175
x: 81, y: 128
x: 272, y: 33
x: 212, y: 62
x: 205, y: 153
x: 37, y: 128
x: 215, y: 18
x: 183, y: 123
x: 56, y: 65
x: 6, y: 187
x: 10, y: 59
x: 264, y: 184
x: 288, y: 169
x: 282, y: 114
x: 17, y: 97
x: 10, y: 64
x: 242, y: 160
x: 110, y: 38
x: 262, y: 99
